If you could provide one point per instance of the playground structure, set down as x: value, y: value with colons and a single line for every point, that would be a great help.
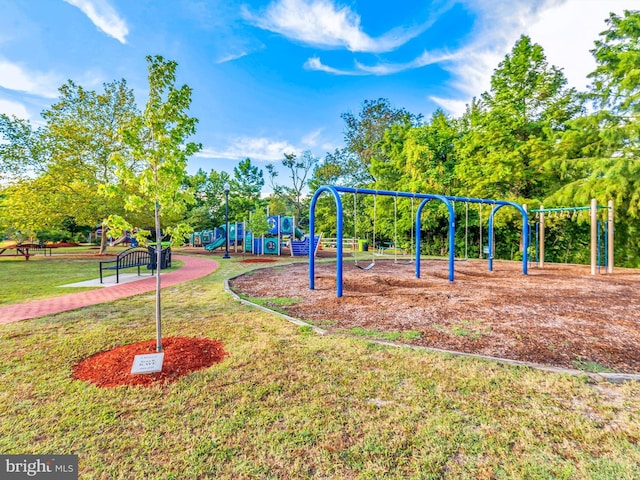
x: 496, y: 205
x: 596, y: 231
x: 127, y: 238
x: 282, y: 233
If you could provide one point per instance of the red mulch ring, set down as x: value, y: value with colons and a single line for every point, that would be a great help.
x: 258, y: 260
x: 182, y: 355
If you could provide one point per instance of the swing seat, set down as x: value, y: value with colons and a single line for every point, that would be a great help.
x: 368, y: 267
x: 407, y: 262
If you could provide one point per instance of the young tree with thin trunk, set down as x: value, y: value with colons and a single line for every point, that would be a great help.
x: 158, y: 139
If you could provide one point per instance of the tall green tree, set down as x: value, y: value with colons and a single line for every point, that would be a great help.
x: 599, y: 154
x: 417, y: 159
x: 362, y: 137
x: 160, y: 148
x: 511, y: 130
x: 326, y: 173
x: 208, y: 210
x: 420, y: 158
x: 22, y: 149
x: 246, y: 189
x: 351, y: 165
x: 68, y: 159
x: 300, y: 170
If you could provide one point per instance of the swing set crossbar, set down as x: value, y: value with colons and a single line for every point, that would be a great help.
x: 567, y: 209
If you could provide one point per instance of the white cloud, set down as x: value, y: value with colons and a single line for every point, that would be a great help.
x: 566, y: 29
x: 16, y: 77
x: 472, y: 72
x: 314, y: 63
x: 454, y: 107
x: 322, y: 23
x: 103, y: 16
x: 499, y: 24
x: 567, y: 33
x: 256, y: 148
x: 311, y: 139
x: 14, y: 108
x: 383, y: 68
x: 315, y: 142
x: 229, y: 57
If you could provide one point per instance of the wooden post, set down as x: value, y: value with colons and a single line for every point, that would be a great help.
x: 541, y: 239
x: 594, y: 235
x: 610, y: 237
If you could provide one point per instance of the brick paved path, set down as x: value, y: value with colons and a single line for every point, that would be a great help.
x: 194, y: 267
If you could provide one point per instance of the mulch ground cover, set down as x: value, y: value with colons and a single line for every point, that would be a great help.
x: 560, y: 315
x: 182, y: 355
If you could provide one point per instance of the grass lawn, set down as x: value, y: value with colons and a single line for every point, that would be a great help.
x: 42, y: 277
x: 288, y: 403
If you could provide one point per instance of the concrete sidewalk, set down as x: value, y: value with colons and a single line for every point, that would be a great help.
x: 194, y: 267
x: 110, y: 281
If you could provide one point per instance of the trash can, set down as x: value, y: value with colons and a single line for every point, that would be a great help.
x: 165, y: 258
x: 363, y: 246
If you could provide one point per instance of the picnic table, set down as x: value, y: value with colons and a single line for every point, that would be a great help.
x: 25, y: 250
x: 20, y: 251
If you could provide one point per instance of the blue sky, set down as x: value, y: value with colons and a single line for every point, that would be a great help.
x: 273, y: 76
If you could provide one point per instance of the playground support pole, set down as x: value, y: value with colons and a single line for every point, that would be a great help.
x: 481, y: 246
x: 594, y: 235
x: 541, y: 227
x: 492, y: 238
x: 452, y: 233
x: 339, y: 235
x: 279, y: 232
x: 610, y: 237
x: 227, y: 187
x: 523, y: 234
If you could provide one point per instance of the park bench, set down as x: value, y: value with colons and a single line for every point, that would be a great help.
x: 129, y: 258
x: 137, y: 257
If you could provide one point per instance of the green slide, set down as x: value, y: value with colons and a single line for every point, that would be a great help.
x: 218, y: 243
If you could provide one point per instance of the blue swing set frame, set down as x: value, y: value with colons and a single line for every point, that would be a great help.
x: 335, y: 192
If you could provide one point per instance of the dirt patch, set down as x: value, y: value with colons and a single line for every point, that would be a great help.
x: 182, y: 355
x: 258, y: 260
x: 559, y: 315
